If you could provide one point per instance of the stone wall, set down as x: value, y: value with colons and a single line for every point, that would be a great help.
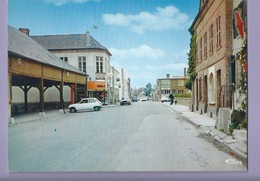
x: 182, y: 101
x: 223, y: 119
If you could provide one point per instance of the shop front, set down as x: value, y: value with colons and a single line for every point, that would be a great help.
x: 98, y: 89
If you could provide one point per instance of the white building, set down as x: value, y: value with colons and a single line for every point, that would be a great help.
x: 88, y: 55
x: 124, y: 85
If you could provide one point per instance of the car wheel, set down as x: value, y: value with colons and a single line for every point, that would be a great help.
x: 96, y: 108
x: 73, y: 110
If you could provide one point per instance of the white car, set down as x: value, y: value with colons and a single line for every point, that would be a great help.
x: 86, y: 104
x: 125, y: 101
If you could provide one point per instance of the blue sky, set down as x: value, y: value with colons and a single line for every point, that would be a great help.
x: 148, y: 38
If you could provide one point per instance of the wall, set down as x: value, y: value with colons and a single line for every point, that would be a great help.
x: 219, y: 59
x: 90, y: 60
x: 224, y: 119
x: 183, y: 101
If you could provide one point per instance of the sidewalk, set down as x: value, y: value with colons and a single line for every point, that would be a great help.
x: 33, y: 116
x: 237, y: 143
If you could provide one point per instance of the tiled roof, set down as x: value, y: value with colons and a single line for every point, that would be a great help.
x: 22, y: 45
x: 69, y: 42
x: 173, y: 78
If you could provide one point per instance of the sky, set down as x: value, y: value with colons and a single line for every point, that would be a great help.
x: 147, y: 38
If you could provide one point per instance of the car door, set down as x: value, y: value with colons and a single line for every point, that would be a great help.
x: 92, y: 103
x: 83, y: 104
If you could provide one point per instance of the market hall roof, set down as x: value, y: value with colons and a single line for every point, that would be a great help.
x: 70, y: 42
x: 22, y: 45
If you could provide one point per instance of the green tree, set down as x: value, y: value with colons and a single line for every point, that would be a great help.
x: 192, y: 58
x: 148, y: 89
x: 188, y: 84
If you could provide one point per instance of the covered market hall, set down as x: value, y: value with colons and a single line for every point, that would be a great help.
x: 32, y: 66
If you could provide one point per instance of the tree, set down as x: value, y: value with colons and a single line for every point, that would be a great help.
x: 188, y: 84
x: 148, y: 89
x: 192, y: 59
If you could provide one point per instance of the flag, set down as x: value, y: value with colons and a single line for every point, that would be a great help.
x: 239, y: 24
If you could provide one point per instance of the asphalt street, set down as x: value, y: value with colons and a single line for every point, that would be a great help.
x: 144, y: 136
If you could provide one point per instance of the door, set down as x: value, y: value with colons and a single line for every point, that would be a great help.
x: 92, y: 103
x: 218, y: 89
x: 205, y: 94
x: 83, y: 104
x: 197, y: 95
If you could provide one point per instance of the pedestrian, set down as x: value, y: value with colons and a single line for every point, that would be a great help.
x: 171, y: 96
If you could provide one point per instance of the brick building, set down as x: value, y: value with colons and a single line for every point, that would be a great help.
x: 213, y: 29
x: 168, y: 85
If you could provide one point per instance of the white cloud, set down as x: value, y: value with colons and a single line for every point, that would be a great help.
x: 143, y: 51
x: 163, y: 19
x: 62, y: 2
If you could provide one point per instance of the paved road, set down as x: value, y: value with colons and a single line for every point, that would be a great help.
x: 144, y: 136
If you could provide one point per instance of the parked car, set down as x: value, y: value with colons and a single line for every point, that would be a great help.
x: 165, y: 99
x: 134, y: 99
x: 125, y: 101
x: 86, y: 104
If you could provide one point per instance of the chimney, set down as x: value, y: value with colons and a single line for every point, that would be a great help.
x: 88, y: 39
x: 185, y: 72
x: 25, y: 31
x: 167, y: 75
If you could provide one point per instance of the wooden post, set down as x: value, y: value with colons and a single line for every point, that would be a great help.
x: 76, y: 92
x: 61, y: 92
x: 41, y: 90
x: 26, y: 90
x: 10, y: 94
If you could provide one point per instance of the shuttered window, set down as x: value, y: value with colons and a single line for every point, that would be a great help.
x: 218, y: 28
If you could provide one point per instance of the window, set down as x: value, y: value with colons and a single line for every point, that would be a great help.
x: 211, y: 39
x: 82, y: 64
x: 180, y: 83
x: 99, y: 64
x: 200, y: 54
x: 205, y: 45
x: 165, y: 83
x: 65, y: 59
x: 218, y: 28
x: 165, y: 91
x: 91, y: 101
x: 180, y: 91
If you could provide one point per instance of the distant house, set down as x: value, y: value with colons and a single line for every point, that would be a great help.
x: 168, y: 85
x: 85, y: 53
x: 33, y: 70
x: 213, y: 29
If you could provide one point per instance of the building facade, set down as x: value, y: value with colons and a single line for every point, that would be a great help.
x: 86, y: 54
x: 168, y: 85
x: 239, y: 42
x: 124, y: 85
x: 33, y: 71
x: 213, y: 30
